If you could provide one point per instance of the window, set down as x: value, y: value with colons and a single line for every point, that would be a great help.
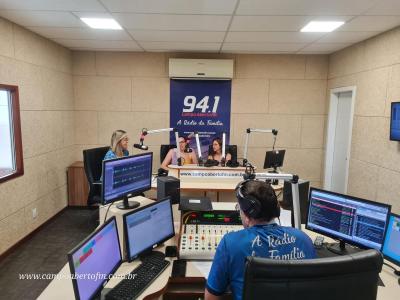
x: 11, y: 162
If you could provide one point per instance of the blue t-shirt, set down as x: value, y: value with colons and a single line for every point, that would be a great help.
x: 111, y: 155
x: 268, y: 240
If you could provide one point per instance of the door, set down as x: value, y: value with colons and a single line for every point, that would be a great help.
x: 339, y: 140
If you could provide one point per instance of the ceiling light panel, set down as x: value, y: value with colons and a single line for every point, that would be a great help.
x: 322, y: 26
x: 101, y: 23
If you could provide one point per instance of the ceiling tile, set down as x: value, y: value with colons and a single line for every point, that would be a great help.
x: 347, y: 36
x: 272, y: 36
x: 177, y: 36
x: 174, y: 46
x: 42, y: 18
x: 262, y: 47
x: 90, y: 14
x: 303, y: 7
x: 173, y: 22
x: 81, y: 33
x: 371, y: 23
x: 59, y: 5
x: 98, y: 45
x: 385, y: 8
x: 325, y: 47
x: 268, y: 23
x: 211, y: 7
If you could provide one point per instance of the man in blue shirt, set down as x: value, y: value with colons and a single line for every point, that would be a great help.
x: 260, y: 237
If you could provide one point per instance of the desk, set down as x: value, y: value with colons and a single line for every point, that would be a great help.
x: 61, y: 287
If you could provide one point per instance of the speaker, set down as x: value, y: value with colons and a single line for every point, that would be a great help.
x: 169, y: 186
x: 287, y: 199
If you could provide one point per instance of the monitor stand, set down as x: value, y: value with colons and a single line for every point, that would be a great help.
x: 340, y: 248
x: 275, y: 181
x: 128, y: 204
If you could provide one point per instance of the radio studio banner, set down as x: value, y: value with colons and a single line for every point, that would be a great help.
x: 203, y: 106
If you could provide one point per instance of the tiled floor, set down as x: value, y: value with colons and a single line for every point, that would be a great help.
x: 45, y: 252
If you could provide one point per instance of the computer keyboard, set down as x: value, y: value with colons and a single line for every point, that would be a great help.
x: 132, y: 286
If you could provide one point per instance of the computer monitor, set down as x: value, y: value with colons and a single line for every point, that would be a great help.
x: 274, y: 159
x: 147, y: 227
x: 126, y: 176
x: 395, y: 121
x: 94, y: 260
x: 352, y: 220
x: 391, y: 245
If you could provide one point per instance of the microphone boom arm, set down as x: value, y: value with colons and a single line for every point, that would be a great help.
x: 246, y: 144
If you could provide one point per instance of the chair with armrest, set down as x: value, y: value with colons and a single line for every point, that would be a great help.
x: 164, y: 151
x: 93, y: 164
x: 348, y: 277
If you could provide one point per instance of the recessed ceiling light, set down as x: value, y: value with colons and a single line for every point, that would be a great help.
x: 321, y: 26
x: 102, y: 23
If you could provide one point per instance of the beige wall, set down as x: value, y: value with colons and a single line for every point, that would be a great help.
x: 42, y: 70
x: 131, y: 91
x: 373, y: 66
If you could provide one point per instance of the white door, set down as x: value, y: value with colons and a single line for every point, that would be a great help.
x: 338, y: 141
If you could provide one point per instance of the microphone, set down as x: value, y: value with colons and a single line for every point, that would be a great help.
x: 187, y: 147
x: 140, y: 146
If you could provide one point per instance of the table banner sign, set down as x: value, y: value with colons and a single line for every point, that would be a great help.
x: 202, y: 106
x: 211, y: 174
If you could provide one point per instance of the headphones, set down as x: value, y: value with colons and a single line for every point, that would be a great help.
x: 251, y: 206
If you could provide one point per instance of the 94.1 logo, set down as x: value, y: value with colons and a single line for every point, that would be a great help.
x: 190, y: 103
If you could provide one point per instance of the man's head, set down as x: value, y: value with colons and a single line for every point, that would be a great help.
x: 257, y: 201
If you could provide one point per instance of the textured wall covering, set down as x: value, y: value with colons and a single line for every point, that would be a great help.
x: 131, y: 91
x: 42, y: 70
x: 374, y: 67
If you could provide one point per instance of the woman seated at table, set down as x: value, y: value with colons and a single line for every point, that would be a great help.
x: 172, y: 156
x: 119, y: 145
x: 216, y: 151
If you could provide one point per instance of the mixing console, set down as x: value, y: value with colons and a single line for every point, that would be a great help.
x: 202, y: 232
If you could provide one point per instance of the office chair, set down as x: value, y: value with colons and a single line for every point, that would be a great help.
x: 348, y: 277
x: 164, y: 151
x: 93, y: 163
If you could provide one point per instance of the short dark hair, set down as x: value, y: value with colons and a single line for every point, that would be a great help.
x: 265, y: 194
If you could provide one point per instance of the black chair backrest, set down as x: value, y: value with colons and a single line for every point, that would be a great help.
x: 93, y: 162
x: 232, y: 149
x: 164, y: 151
x: 348, y: 277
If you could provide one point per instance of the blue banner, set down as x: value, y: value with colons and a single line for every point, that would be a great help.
x: 202, y: 106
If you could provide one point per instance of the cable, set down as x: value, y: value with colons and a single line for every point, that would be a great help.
x: 396, y: 272
x: 105, y: 217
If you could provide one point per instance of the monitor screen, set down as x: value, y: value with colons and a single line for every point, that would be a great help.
x: 274, y: 159
x: 356, y: 221
x: 126, y: 175
x: 391, y: 246
x: 93, y: 260
x: 395, y: 122
x: 148, y: 226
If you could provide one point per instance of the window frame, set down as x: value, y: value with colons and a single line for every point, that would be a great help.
x: 16, y: 125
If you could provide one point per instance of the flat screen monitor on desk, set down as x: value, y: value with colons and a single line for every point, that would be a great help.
x: 391, y: 245
x: 351, y: 220
x: 94, y: 260
x: 147, y: 227
x: 274, y: 159
x: 126, y: 176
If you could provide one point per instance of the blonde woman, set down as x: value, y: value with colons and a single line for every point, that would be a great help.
x: 119, y: 145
